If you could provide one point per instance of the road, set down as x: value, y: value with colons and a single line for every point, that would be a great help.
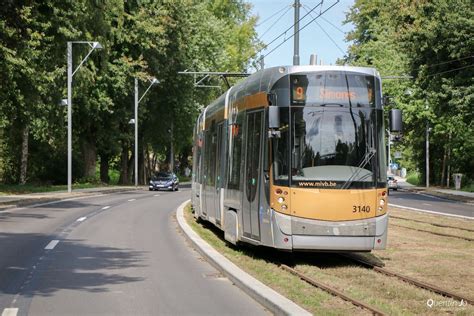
x: 118, y: 254
x: 421, y: 201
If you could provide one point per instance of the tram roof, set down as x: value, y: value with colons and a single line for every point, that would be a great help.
x: 263, y: 80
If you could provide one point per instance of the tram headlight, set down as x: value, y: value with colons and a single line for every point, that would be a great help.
x: 382, y: 202
x: 281, y: 200
x: 284, y: 207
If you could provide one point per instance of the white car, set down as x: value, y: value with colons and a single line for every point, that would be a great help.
x: 392, y: 183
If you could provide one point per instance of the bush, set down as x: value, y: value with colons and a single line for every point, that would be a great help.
x: 413, y: 177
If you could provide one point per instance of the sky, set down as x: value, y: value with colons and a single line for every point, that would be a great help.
x: 276, y: 16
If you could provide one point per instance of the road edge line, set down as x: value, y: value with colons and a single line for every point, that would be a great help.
x: 263, y: 294
x: 430, y: 212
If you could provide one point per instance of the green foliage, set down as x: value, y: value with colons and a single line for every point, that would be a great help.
x: 141, y: 39
x: 413, y: 178
x: 432, y: 42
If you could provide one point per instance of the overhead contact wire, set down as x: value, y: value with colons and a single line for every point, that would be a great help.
x: 269, y: 18
x: 284, y: 32
x: 302, y: 28
x: 274, y: 23
x: 327, y: 34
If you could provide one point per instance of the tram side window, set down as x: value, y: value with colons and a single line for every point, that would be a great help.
x: 280, y: 150
x: 207, y: 158
x: 236, y: 158
x: 212, y: 155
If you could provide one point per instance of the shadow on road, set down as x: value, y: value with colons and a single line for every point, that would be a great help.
x: 71, y: 265
x: 6, y: 217
x: 65, y: 205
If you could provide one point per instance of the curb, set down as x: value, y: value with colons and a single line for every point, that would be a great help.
x: 269, y: 298
x: 45, y: 200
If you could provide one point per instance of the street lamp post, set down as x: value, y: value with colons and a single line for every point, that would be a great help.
x: 153, y: 81
x: 427, y: 148
x: 70, y: 74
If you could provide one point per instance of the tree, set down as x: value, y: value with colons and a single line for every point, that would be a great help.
x: 429, y: 40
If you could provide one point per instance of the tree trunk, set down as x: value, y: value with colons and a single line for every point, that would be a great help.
x: 104, y: 169
x: 124, y: 175
x: 24, y: 155
x: 448, y: 162
x: 131, y: 169
x: 443, y: 166
x: 148, y: 163
x: 141, y: 165
x: 90, y: 159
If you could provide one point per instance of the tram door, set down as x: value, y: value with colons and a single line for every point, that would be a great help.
x: 211, y: 183
x: 250, y: 203
x: 219, y: 175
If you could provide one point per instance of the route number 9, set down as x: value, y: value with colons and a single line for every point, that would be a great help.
x: 299, y: 93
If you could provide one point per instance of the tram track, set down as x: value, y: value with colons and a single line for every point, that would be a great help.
x: 434, y: 233
x: 409, y: 280
x: 332, y: 290
x: 433, y: 224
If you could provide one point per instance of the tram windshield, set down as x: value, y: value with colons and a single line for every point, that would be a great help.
x: 326, y: 144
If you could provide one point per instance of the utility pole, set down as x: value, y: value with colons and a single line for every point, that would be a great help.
x: 296, y: 56
x: 428, y: 130
x: 136, y: 131
x: 69, y: 117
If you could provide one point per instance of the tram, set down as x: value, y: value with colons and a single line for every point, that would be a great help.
x: 294, y: 158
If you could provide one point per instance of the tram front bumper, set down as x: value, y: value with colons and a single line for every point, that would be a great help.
x: 377, y: 238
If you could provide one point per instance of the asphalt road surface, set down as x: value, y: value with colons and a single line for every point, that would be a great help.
x: 421, y: 201
x: 119, y: 254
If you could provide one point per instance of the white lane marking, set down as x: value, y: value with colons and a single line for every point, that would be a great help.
x: 81, y: 219
x: 156, y: 195
x: 131, y: 200
x: 426, y: 204
x: 52, y: 244
x: 10, y: 312
x: 431, y: 212
x: 106, y: 207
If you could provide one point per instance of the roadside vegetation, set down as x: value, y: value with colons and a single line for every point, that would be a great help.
x: 427, y: 46
x: 420, y: 255
x: 140, y: 39
x: 413, y: 178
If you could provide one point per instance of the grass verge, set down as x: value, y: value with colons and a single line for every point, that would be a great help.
x: 413, y: 178
x: 417, y: 254
x: 31, y: 188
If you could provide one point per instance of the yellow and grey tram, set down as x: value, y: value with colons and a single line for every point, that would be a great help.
x: 294, y: 158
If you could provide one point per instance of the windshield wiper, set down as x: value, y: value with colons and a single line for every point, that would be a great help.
x: 332, y: 104
x: 365, y: 160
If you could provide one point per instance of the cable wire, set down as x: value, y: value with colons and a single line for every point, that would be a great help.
x: 327, y: 34
x: 451, y: 70
x: 302, y: 27
x: 337, y: 28
x: 276, y: 21
x: 449, y: 61
x: 284, y: 32
x: 269, y: 18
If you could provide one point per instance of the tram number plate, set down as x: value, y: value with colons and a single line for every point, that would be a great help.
x: 360, y: 209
